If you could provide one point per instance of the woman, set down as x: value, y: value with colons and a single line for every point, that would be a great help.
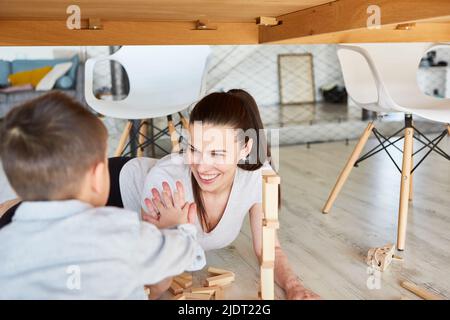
x: 220, y: 171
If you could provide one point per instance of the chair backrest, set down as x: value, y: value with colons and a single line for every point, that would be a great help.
x: 358, y: 75
x: 163, y: 80
x: 396, y: 66
x: 394, y: 69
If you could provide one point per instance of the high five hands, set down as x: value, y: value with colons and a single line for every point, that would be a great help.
x: 168, y: 210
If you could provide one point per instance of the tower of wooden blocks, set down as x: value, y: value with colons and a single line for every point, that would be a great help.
x: 271, y: 182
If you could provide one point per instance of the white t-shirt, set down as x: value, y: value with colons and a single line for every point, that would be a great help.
x: 140, y: 175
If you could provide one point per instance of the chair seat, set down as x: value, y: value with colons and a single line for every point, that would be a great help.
x: 376, y: 107
x: 435, y: 109
x: 134, y: 110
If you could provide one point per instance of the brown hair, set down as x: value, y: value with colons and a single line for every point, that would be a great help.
x: 47, y: 146
x: 237, y: 109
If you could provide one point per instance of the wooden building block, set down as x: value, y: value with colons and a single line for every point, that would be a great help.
x: 218, y: 294
x: 175, y: 288
x: 218, y: 271
x: 267, y: 283
x: 219, y: 280
x: 420, y: 292
x: 268, y: 172
x: 272, y: 179
x: 380, y: 258
x: 197, y: 296
x: 268, y: 264
x: 205, y: 290
x: 186, y: 276
x: 275, y: 224
x: 183, y: 282
x: 179, y: 297
x: 268, y: 244
x: 270, y: 200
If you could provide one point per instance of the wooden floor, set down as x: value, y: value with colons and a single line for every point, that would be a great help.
x: 328, y: 251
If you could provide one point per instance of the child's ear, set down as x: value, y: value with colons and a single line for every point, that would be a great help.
x: 100, y: 181
x: 97, y: 178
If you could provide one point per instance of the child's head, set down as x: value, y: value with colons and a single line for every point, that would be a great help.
x: 52, y: 148
x: 226, y: 132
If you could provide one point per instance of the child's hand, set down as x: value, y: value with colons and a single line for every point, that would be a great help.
x: 166, y: 210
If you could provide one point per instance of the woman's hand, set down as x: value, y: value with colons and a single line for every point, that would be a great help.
x: 297, y: 292
x: 167, y: 210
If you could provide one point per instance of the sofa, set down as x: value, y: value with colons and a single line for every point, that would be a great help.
x: 72, y: 83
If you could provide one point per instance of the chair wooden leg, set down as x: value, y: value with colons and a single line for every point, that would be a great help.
x: 142, y: 134
x: 348, y: 167
x: 411, y: 192
x: 411, y: 178
x: 184, y: 121
x: 448, y: 129
x: 123, y: 139
x: 404, y: 188
x: 173, y: 134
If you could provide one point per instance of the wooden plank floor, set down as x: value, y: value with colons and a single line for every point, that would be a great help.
x: 328, y: 251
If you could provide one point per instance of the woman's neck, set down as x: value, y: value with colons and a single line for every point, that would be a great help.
x: 222, y: 191
x: 215, y: 204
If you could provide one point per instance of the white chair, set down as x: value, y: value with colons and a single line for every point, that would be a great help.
x: 163, y: 80
x: 383, y: 78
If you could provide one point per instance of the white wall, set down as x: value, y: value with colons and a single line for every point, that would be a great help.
x: 255, y: 69
x: 11, y: 53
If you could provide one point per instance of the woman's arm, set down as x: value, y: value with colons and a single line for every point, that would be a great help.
x: 284, y: 275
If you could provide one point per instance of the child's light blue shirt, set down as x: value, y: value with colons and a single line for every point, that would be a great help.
x: 70, y: 250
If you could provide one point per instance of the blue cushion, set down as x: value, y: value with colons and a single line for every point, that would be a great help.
x: 5, y: 70
x: 65, y: 82
x: 73, y: 70
x: 25, y: 65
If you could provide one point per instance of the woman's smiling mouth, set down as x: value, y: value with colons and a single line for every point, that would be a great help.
x: 208, y: 178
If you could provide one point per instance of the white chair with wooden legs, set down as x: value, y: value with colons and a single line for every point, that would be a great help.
x: 144, y: 140
x: 383, y: 78
x: 163, y: 80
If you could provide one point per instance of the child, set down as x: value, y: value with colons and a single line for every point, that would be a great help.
x: 61, y: 242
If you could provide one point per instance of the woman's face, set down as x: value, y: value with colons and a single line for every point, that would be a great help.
x: 213, y: 153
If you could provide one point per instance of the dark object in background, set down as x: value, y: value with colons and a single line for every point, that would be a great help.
x: 334, y: 94
x: 430, y: 61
